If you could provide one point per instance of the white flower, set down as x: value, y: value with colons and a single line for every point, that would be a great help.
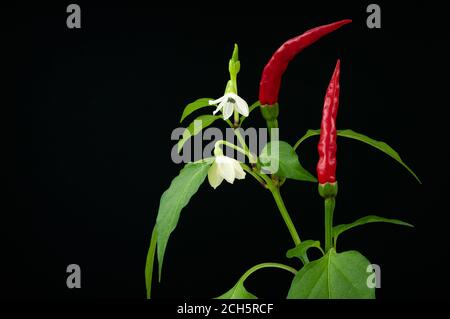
x: 224, y: 167
x: 228, y: 103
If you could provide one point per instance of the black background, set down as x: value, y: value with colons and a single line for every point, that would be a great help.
x: 93, y: 113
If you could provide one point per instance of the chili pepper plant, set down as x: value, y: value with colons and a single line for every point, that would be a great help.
x: 336, y: 274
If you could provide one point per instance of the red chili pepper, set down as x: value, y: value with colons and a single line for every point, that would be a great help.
x: 274, y: 69
x: 326, y: 167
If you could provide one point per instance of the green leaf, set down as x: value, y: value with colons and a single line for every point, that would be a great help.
x: 287, y: 162
x: 337, y: 230
x: 196, y: 126
x: 308, y: 134
x: 385, y: 148
x: 238, y: 292
x: 377, y: 144
x: 334, y: 276
x: 150, y: 262
x: 250, y: 109
x: 177, y: 196
x: 194, y: 106
x: 300, y: 250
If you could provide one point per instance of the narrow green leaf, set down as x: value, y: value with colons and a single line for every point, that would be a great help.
x: 308, y: 134
x: 300, y: 250
x: 177, y: 196
x: 286, y: 161
x: 337, y: 230
x: 196, y: 126
x: 194, y: 106
x: 250, y: 109
x: 150, y: 262
x: 238, y: 292
x: 334, y: 276
x: 385, y: 148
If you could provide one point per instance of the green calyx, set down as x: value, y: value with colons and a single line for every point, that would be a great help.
x: 217, y: 150
x: 328, y: 190
x: 270, y: 114
x: 231, y: 87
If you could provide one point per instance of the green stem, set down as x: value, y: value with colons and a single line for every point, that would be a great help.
x: 267, y: 180
x: 286, y: 217
x: 250, y: 109
x: 241, y: 140
x: 236, y: 118
x: 284, y: 213
x: 330, y: 203
x: 229, y: 123
x: 266, y: 265
x: 254, y: 174
x: 281, y: 207
x: 273, y: 189
x: 244, y: 150
x: 272, y: 124
x: 237, y: 148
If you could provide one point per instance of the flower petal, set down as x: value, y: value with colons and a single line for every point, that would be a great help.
x: 238, y: 171
x: 241, y: 105
x: 214, y: 102
x: 231, y: 95
x: 214, y: 177
x: 218, y: 108
x: 228, y: 110
x: 226, y: 168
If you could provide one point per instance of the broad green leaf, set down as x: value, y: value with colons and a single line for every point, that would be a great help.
x: 150, y: 262
x: 337, y: 230
x: 285, y: 163
x: 334, y: 276
x: 177, y: 196
x: 300, y: 250
x: 238, y: 292
x: 194, y: 106
x: 195, y: 127
x: 385, y: 148
x: 250, y: 109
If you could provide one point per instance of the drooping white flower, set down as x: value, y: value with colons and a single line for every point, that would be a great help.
x: 224, y: 167
x: 228, y: 103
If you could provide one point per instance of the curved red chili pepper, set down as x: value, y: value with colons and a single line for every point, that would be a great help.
x: 269, y: 85
x: 326, y: 167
